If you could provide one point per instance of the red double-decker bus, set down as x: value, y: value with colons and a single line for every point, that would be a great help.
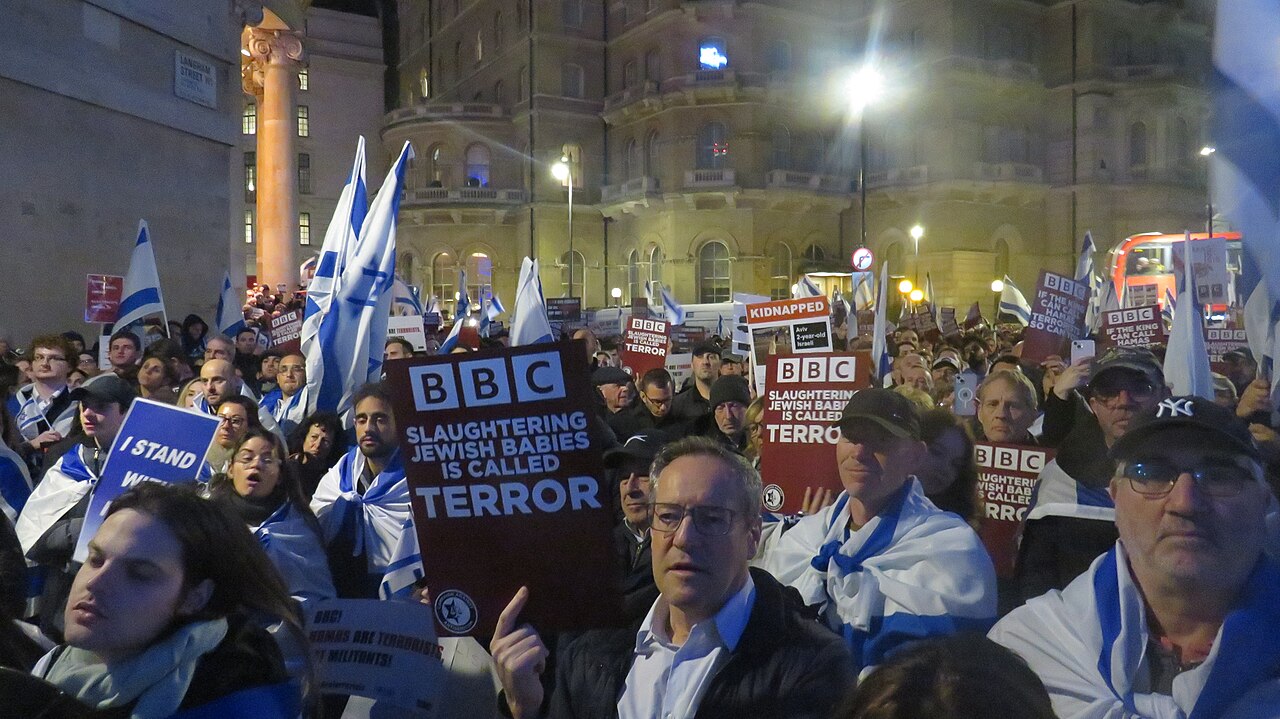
x: 1142, y: 266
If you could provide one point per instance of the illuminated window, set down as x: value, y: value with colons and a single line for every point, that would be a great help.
x: 304, y: 228
x: 711, y: 54
x: 780, y: 280
x: 304, y: 173
x: 249, y: 120
x: 579, y: 276
x: 713, y: 146
x: 713, y: 273
x: 442, y: 270
x: 248, y: 227
x: 424, y: 83
x: 437, y: 169
x: 635, y: 283
x: 479, y: 46
x: 477, y: 166
x: 655, y: 266
x: 304, y: 121
x: 250, y: 175
x: 304, y: 79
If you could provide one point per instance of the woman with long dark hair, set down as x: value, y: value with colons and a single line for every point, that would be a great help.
x: 949, y: 475
x: 167, y: 612
x: 314, y: 447
x: 262, y: 489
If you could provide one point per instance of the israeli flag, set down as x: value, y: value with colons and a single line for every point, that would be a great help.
x: 492, y: 310
x: 932, y: 299
x: 230, y: 315
x: 1084, y: 263
x: 433, y: 305
x: 405, y: 300
x: 529, y: 323
x: 451, y: 341
x: 141, y: 296
x: 674, y: 310
x: 879, y: 336
x: 648, y: 296
x: 1170, y: 303
x: 1186, y: 362
x: 321, y: 344
x: 864, y: 290
x: 1013, y: 303
x: 464, y: 297
x: 805, y: 288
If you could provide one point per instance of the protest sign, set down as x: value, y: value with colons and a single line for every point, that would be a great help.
x: 1208, y: 268
x: 644, y: 346
x: 507, y: 485
x: 1135, y: 327
x: 683, y: 339
x: 788, y: 327
x: 381, y: 650
x: 1057, y: 315
x: 156, y: 443
x: 680, y: 366
x: 102, y: 295
x: 409, y: 327
x: 921, y: 320
x: 947, y: 322
x: 564, y: 309
x: 1144, y: 293
x: 1219, y: 341
x: 432, y: 321
x: 286, y: 331
x: 804, y: 395
x: 640, y: 306
x: 1006, y: 476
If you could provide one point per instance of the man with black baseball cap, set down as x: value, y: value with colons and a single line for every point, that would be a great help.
x: 883, y: 565
x: 1071, y: 518
x: 628, y: 466
x: 1179, y: 617
x: 694, y: 401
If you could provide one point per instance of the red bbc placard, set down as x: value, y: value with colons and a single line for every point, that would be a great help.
x: 286, y: 331
x: 507, y: 486
x: 1219, y: 341
x: 102, y: 295
x: 1006, y: 476
x: 804, y: 396
x: 644, y: 346
x: 1057, y: 315
x: 1133, y: 327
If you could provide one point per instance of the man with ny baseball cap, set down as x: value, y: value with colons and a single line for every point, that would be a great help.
x: 883, y: 565
x: 1179, y: 617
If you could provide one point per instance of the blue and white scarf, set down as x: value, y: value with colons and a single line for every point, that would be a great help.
x: 65, y: 484
x: 912, y: 572
x: 15, y: 482
x: 295, y: 550
x: 287, y: 413
x: 30, y: 414
x: 381, y: 512
x: 1088, y: 644
x: 1058, y: 494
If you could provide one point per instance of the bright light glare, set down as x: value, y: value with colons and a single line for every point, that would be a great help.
x: 865, y: 87
x: 917, y: 232
x: 616, y: 293
x: 560, y: 171
x: 916, y: 295
x: 905, y: 286
x: 997, y: 285
x: 1206, y: 151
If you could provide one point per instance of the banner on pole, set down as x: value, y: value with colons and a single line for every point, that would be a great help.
x: 1057, y: 315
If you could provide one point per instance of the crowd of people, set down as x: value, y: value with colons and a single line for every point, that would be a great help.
x: 1144, y: 583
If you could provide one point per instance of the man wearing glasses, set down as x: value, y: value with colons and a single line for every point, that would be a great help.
x: 721, y: 640
x: 882, y: 565
x: 1180, y: 616
x: 44, y: 409
x: 1071, y: 519
x: 656, y: 391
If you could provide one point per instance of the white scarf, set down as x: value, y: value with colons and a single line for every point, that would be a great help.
x: 382, y: 511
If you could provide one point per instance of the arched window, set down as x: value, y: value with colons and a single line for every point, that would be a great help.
x: 780, y: 279
x: 479, y: 46
x: 655, y: 265
x: 437, y: 170
x: 713, y: 146
x: 814, y: 253
x: 477, y: 166
x: 499, y: 93
x: 579, y: 276
x: 629, y: 70
x: 779, y: 58
x: 1137, y: 146
x: 653, y: 66
x: 1002, y: 258
x: 522, y: 84
x: 457, y: 60
x: 635, y: 278
x: 651, y: 162
x: 893, y: 255
x: 713, y: 273
x: 574, y: 153
x: 442, y: 278
x: 631, y: 160
x: 571, y: 80
x: 479, y: 278
x: 781, y: 146
x: 497, y: 30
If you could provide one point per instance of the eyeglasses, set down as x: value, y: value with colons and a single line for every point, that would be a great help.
x: 233, y: 421
x: 1108, y: 392
x: 38, y: 357
x: 709, y: 521
x: 249, y: 460
x: 1157, y: 477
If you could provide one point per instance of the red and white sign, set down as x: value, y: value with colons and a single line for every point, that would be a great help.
x: 788, y: 327
x: 1220, y: 341
x: 1006, y: 476
x: 286, y: 331
x: 1057, y: 315
x: 862, y: 259
x: 102, y: 295
x: 804, y: 396
x: 1134, y: 327
x: 644, y: 346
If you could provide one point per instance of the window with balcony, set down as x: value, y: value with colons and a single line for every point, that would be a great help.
x: 713, y: 146
x: 304, y: 121
x: 571, y: 80
x: 304, y: 228
x: 1138, y: 147
x: 579, y: 276
x: 477, y: 165
x: 571, y: 13
x: 779, y: 58
x: 780, y: 146
x: 631, y: 160
x: 248, y: 227
x: 780, y: 278
x: 304, y: 173
x: 424, y: 83
x: 574, y: 154
x: 249, y: 119
x: 655, y: 265
x: 442, y: 277
x: 499, y: 93
x: 250, y: 176
x: 712, y: 54
x: 713, y: 273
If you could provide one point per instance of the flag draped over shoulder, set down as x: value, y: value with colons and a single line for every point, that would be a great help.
x: 321, y: 344
x: 529, y: 323
x: 1014, y: 303
x: 230, y: 315
x: 141, y: 295
x: 1186, y: 362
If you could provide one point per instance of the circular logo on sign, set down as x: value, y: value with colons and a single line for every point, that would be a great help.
x: 773, y: 497
x: 862, y: 259
x: 455, y: 611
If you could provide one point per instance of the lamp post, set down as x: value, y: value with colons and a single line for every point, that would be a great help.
x: 997, y: 286
x: 563, y: 171
x: 1205, y: 152
x: 864, y: 88
x: 616, y: 293
x: 916, y: 233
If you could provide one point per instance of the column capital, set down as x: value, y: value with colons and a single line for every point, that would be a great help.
x: 270, y: 47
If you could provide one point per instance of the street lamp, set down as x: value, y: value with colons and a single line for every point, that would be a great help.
x: 997, y: 286
x: 905, y: 287
x: 616, y: 293
x: 916, y: 233
x: 864, y: 88
x: 916, y: 295
x: 1205, y: 152
x: 563, y: 172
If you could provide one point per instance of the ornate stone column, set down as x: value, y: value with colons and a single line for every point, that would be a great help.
x: 275, y: 56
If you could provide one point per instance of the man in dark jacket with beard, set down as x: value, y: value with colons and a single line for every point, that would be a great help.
x: 720, y: 641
